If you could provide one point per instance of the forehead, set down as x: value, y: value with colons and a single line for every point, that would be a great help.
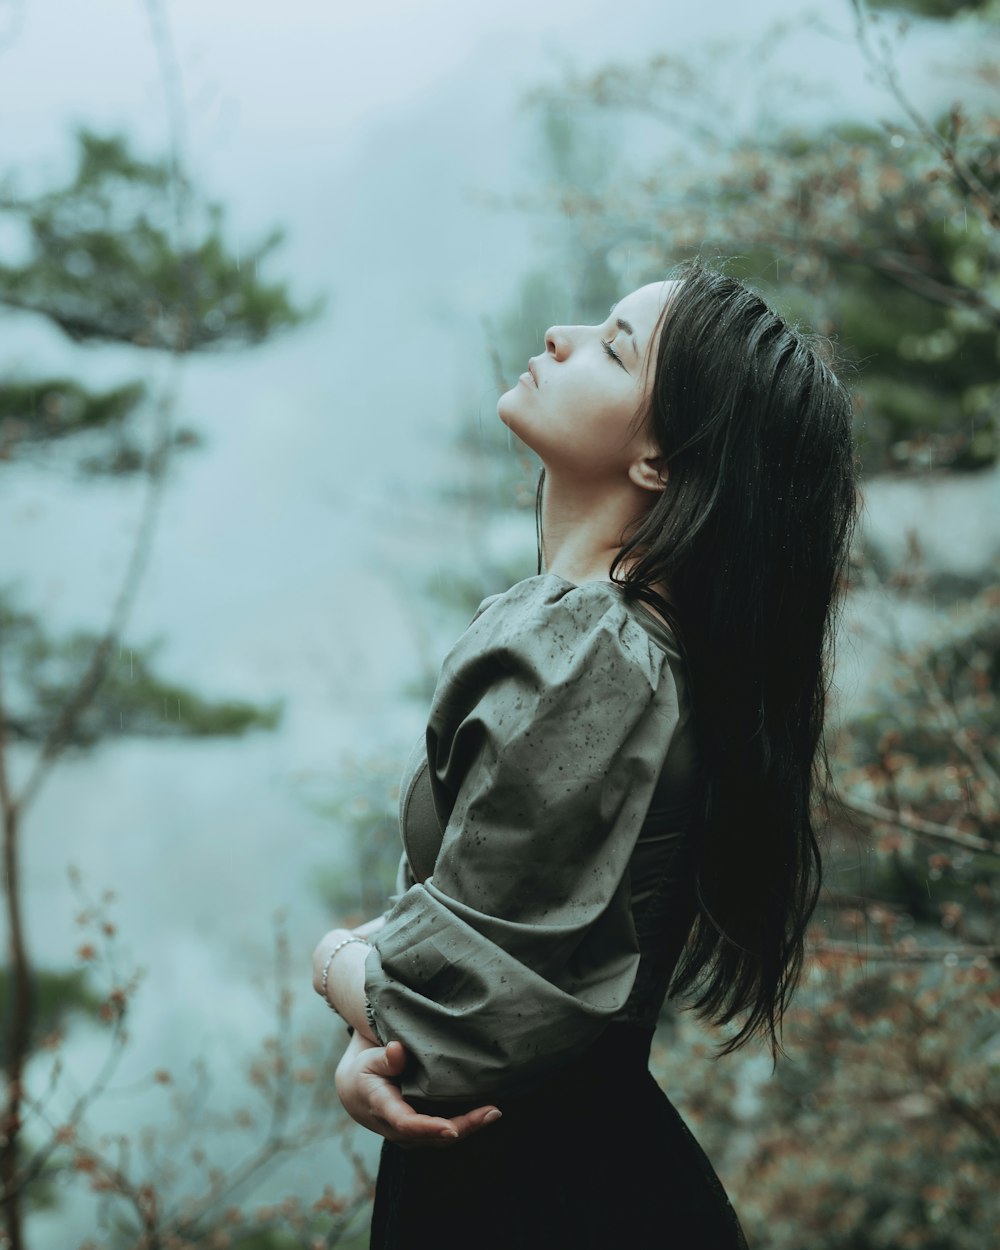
x: 643, y: 305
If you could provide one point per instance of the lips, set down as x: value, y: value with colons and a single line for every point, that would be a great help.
x: 531, y: 370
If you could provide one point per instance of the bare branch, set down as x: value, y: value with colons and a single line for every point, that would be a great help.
x: 912, y: 823
x: 904, y: 954
x: 33, y: 1166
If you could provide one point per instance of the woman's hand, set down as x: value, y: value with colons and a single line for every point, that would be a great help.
x: 367, y: 1087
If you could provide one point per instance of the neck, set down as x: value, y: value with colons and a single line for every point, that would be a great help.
x: 582, y: 530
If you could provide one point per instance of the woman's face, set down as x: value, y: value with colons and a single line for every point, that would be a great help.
x: 575, y: 408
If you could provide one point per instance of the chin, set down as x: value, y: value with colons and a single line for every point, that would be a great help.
x: 515, y: 420
x: 503, y: 408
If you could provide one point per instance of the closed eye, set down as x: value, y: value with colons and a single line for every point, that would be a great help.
x: 612, y: 353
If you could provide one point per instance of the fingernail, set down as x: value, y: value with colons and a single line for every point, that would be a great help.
x: 491, y: 1116
x: 449, y: 1132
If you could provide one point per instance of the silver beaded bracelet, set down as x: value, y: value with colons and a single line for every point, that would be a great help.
x: 326, y: 967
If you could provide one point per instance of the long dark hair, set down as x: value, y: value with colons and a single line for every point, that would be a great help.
x: 750, y: 539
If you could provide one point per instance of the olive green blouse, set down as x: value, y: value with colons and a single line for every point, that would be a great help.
x: 546, y: 885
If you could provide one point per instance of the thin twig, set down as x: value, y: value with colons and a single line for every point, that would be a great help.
x: 933, y: 1075
x: 908, y: 954
x: 960, y: 735
x: 33, y: 1167
x: 916, y: 824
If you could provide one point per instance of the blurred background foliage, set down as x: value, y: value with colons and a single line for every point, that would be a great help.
x: 880, y: 1128
x: 126, y: 253
x: 103, y: 258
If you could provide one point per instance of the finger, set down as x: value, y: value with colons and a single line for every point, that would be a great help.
x: 473, y: 1121
x: 411, y: 1125
x: 388, y: 1061
x: 395, y: 1112
x: 388, y: 1103
x: 464, y: 1125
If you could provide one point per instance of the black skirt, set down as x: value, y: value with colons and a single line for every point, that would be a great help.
x: 596, y: 1158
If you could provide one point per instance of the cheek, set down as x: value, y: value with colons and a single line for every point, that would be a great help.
x: 603, y: 423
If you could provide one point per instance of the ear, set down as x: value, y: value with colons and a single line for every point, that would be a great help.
x: 649, y: 472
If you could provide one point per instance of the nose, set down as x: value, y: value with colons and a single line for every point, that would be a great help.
x: 557, y: 341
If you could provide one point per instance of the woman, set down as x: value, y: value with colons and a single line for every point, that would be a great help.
x: 613, y: 796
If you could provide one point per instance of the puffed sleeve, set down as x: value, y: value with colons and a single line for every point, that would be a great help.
x: 548, y: 729
x: 404, y: 879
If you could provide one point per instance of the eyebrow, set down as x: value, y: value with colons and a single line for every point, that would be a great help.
x: 622, y: 324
